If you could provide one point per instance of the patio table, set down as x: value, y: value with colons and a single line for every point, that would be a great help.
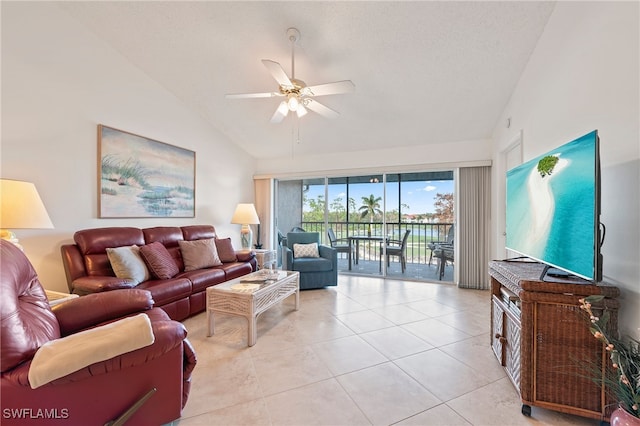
x: 357, y: 239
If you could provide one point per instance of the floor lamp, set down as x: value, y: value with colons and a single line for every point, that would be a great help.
x: 245, y: 215
x: 20, y: 208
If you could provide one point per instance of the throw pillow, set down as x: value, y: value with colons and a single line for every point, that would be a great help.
x: 126, y: 262
x: 305, y: 250
x: 226, y: 252
x: 159, y: 260
x: 199, y: 254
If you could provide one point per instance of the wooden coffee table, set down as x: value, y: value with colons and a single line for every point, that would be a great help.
x: 251, y: 295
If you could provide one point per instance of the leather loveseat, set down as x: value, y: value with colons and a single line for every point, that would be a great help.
x: 100, y: 390
x: 88, y: 268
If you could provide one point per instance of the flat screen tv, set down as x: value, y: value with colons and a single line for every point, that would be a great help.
x: 553, y: 209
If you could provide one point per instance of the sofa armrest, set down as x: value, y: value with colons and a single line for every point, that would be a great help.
x: 60, y: 357
x: 328, y: 253
x: 97, y: 284
x: 287, y: 259
x: 245, y: 256
x: 73, y: 263
x: 189, y: 363
x: 90, y: 310
x: 168, y: 334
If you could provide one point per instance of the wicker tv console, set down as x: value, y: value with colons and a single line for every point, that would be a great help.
x: 542, y: 339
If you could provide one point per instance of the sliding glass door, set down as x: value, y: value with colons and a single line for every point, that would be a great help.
x: 391, y: 224
x: 365, y: 195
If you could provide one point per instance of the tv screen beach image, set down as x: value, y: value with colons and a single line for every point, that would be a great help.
x: 551, y: 212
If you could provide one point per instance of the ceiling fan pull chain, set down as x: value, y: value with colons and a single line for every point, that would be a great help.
x: 293, y: 143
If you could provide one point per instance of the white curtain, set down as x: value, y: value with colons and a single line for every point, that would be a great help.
x: 474, y: 227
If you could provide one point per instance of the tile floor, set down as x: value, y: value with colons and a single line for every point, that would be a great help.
x: 368, y: 352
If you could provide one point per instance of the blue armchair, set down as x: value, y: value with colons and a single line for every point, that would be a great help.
x: 315, y: 272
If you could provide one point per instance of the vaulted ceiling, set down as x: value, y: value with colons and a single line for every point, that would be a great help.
x: 424, y: 72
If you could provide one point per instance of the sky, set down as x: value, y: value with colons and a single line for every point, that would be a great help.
x: 419, y: 196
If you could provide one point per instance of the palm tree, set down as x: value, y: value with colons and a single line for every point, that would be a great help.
x: 370, y: 207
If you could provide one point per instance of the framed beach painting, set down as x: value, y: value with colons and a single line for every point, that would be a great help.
x: 140, y: 177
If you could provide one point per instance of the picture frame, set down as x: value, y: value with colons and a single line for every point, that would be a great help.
x: 139, y: 177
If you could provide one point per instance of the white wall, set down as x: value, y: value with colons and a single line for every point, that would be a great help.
x: 584, y: 75
x: 396, y: 155
x: 58, y: 83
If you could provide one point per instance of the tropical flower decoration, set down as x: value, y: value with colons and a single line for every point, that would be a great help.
x: 625, y: 359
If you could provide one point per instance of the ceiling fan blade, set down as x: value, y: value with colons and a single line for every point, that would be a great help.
x: 252, y: 95
x: 344, y: 86
x: 278, y: 73
x: 317, y: 107
x: 280, y: 113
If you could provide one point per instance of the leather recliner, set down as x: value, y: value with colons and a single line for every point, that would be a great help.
x: 104, y: 390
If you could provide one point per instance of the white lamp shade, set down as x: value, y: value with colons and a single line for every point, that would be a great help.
x: 245, y: 214
x: 293, y: 102
x: 301, y: 111
x: 21, y: 206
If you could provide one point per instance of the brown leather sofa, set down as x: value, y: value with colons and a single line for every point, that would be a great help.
x: 99, y: 392
x: 88, y: 268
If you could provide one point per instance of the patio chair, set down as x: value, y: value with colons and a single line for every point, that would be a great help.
x: 434, y: 244
x: 444, y: 253
x: 340, y: 244
x: 396, y: 248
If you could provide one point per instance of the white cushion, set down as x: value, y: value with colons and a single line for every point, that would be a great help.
x: 60, y: 357
x: 127, y: 263
x: 305, y: 250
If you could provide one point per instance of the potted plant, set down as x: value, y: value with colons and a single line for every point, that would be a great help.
x: 624, y: 382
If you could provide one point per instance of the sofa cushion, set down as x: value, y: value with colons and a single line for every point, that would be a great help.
x: 167, y: 291
x: 310, y: 264
x: 236, y: 269
x: 203, y: 278
x: 226, y: 252
x: 169, y: 237
x: 159, y: 260
x: 199, y: 254
x: 197, y: 232
x: 305, y: 250
x: 126, y: 262
x: 302, y: 238
x: 92, y: 241
x: 60, y: 357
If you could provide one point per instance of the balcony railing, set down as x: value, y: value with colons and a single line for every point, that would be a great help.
x: 421, y: 235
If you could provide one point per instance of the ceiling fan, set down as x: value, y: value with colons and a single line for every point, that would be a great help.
x: 298, y: 96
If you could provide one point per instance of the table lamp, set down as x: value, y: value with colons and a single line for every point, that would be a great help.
x: 245, y: 215
x: 20, y: 208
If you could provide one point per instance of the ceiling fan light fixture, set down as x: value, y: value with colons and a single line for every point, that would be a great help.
x: 293, y: 102
x: 283, y: 108
x: 295, y: 94
x: 301, y: 111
